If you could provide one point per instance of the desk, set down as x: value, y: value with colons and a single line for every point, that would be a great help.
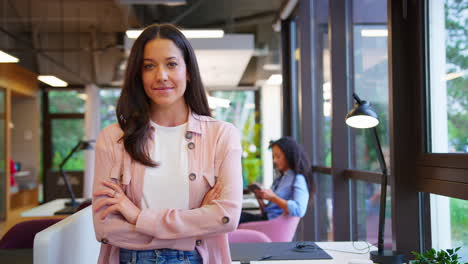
x: 334, y: 249
x: 48, y: 209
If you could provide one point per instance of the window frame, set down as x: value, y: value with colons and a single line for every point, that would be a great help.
x: 47, y: 119
x: 438, y: 173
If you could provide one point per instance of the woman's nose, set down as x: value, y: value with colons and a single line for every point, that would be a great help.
x: 161, y: 74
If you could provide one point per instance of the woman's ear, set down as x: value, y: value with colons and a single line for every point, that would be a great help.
x: 188, y: 77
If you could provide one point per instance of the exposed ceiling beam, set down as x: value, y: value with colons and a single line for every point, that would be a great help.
x: 45, y: 56
x: 241, y: 20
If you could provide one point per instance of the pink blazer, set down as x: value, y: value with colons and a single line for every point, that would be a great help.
x: 216, y: 155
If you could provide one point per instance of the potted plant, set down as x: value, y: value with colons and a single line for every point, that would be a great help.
x: 432, y: 256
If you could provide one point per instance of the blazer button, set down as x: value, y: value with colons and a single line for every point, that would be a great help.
x: 104, y: 241
x: 191, y: 145
x: 225, y: 220
x: 198, y: 242
x: 188, y: 135
x: 192, y: 176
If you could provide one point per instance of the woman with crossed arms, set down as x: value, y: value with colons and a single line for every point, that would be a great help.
x: 167, y: 182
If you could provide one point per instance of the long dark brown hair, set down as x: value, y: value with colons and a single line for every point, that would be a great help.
x: 297, y: 158
x: 134, y: 106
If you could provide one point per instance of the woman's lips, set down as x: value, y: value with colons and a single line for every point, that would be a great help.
x: 163, y: 88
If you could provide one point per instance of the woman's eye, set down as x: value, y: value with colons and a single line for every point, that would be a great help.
x: 172, y: 64
x: 148, y: 66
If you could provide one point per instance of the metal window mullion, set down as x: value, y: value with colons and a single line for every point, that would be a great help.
x: 339, y: 56
x: 308, y: 104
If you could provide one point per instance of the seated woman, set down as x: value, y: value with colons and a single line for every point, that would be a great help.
x: 289, y: 193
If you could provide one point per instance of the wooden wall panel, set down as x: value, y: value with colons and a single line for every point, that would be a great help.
x: 18, y: 79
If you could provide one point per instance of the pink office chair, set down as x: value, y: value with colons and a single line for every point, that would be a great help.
x: 247, y: 236
x: 280, y: 229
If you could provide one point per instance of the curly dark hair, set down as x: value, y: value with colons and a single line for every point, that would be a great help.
x: 133, y: 106
x: 297, y: 159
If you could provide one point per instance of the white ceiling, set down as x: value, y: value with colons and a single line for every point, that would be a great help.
x: 222, y: 61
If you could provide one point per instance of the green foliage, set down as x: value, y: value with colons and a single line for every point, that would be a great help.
x: 65, y: 102
x: 109, y: 99
x: 244, y: 118
x: 459, y: 220
x: 65, y: 135
x: 437, y: 257
x: 457, y: 62
x: 251, y: 168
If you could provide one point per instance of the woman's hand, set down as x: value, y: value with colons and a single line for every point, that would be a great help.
x: 212, y: 194
x: 116, y: 202
x: 267, y: 194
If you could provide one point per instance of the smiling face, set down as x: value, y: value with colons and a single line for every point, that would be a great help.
x: 164, y: 74
x: 279, y: 159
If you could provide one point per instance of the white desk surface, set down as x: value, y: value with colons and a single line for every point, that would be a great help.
x: 341, y: 252
x: 48, y: 209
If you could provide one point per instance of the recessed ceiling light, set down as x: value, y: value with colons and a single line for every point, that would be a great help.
x: 52, y: 81
x: 275, y: 79
x: 374, y: 33
x: 7, y: 58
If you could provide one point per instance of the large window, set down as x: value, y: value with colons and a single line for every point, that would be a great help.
x: 66, y: 101
x: 447, y: 112
x: 370, y: 66
x: 66, y: 133
x: 63, y: 127
x: 108, y: 99
x: 448, y: 87
x: 323, y: 84
x: 67, y: 128
x: 370, y: 82
x: 238, y: 108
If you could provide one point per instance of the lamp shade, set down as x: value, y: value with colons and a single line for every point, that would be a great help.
x: 362, y: 116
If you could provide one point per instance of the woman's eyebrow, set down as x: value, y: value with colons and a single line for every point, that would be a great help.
x: 168, y: 58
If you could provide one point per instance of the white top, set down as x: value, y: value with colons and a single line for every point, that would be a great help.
x: 167, y: 186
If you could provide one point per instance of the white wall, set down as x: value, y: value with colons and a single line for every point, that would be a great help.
x: 25, y: 134
x: 92, y: 127
x: 271, y: 127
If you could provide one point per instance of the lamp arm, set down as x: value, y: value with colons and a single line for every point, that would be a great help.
x: 383, y: 191
x: 62, y: 173
x: 356, y: 97
x: 380, y: 156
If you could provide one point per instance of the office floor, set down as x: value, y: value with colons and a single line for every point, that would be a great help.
x: 14, y: 217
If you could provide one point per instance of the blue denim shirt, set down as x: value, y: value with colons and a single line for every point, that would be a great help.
x: 297, y: 197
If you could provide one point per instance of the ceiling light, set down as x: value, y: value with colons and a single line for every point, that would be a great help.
x: 374, y: 33
x: 275, y: 79
x: 271, y: 67
x: 192, y: 33
x: 52, y: 81
x: 205, y: 33
x: 7, y: 58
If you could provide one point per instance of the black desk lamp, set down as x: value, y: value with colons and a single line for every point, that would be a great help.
x: 363, y: 116
x: 72, y: 206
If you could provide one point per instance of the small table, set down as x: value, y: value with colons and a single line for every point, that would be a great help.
x: 48, y: 209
